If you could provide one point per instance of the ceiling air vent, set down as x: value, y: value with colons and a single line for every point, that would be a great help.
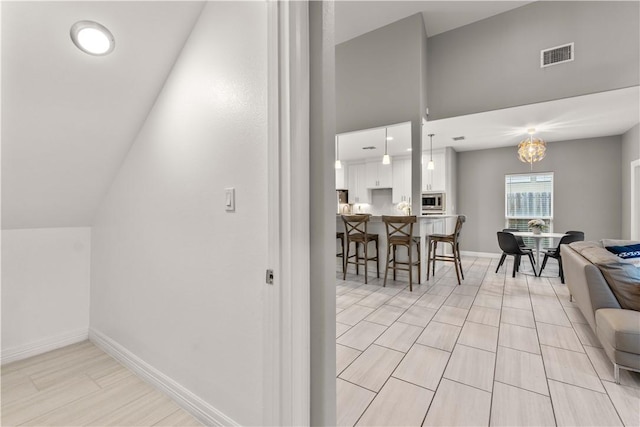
x: 371, y: 147
x: 556, y: 55
x: 458, y: 138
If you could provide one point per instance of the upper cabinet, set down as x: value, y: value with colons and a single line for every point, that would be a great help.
x: 357, y: 183
x: 378, y: 175
x: 341, y: 178
x: 435, y: 179
x: 401, y: 180
x: 363, y: 173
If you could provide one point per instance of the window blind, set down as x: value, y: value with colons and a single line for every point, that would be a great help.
x: 529, y: 196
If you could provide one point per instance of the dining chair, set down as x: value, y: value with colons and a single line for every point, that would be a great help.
x: 572, y: 236
x: 454, y: 240
x: 400, y: 233
x: 510, y: 247
x: 519, y: 239
x: 356, y: 232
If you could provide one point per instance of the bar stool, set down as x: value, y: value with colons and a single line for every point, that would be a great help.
x: 400, y: 233
x: 340, y: 236
x: 454, y: 240
x: 356, y: 231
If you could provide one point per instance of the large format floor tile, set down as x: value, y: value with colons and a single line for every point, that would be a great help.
x: 354, y: 400
x: 472, y: 406
x: 471, y: 366
x: 626, y: 400
x: 81, y: 385
x: 493, y: 351
x: 440, y: 335
x: 423, y: 366
x: 400, y: 336
x: 361, y: 335
x: 577, y: 406
x: 398, y: 404
x: 513, y: 406
x: 570, y: 367
x: 372, y: 369
x: 521, y: 369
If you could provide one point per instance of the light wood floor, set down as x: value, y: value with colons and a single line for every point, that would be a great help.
x: 493, y: 351
x: 80, y: 385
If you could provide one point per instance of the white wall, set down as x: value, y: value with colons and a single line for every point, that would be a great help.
x: 176, y: 280
x: 45, y: 289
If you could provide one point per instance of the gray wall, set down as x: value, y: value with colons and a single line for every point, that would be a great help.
x: 378, y: 76
x: 322, y: 214
x: 587, y: 190
x: 630, y: 152
x: 495, y: 63
x: 381, y: 80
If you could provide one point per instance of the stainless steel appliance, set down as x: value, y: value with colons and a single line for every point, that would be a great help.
x: 433, y: 203
x: 343, y: 196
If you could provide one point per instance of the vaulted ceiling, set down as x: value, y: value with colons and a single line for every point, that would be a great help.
x: 68, y: 118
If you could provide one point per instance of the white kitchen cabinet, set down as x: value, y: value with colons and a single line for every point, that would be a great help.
x: 378, y: 175
x: 341, y: 178
x: 401, y: 190
x: 434, y: 180
x: 357, y: 183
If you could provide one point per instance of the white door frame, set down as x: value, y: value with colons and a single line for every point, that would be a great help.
x: 287, y: 310
x: 635, y: 195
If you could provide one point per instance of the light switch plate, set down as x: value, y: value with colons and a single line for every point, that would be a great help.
x: 230, y: 199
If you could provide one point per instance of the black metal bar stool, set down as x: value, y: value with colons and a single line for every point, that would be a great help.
x: 356, y: 232
x: 400, y: 233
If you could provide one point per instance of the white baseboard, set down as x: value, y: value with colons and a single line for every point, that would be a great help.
x: 191, y: 403
x: 480, y: 254
x: 20, y: 352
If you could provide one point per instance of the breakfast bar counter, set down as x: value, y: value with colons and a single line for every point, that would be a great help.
x: 426, y: 225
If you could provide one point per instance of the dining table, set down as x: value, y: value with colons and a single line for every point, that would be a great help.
x: 538, y: 240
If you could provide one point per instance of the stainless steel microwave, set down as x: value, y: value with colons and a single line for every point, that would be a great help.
x: 433, y: 203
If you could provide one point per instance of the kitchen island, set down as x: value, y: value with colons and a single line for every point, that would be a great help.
x: 426, y: 225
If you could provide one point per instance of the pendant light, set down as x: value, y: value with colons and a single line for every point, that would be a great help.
x: 386, y: 159
x: 431, y: 165
x: 532, y: 149
x: 338, y: 164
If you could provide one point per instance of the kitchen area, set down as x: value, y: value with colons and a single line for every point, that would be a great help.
x: 374, y: 175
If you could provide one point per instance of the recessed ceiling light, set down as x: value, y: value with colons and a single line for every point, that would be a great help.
x: 92, y: 38
x: 408, y: 149
x: 389, y: 138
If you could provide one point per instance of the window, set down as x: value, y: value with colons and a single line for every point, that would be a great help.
x: 529, y: 196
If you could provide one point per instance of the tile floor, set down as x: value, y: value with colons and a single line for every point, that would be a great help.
x: 80, y: 385
x: 493, y: 351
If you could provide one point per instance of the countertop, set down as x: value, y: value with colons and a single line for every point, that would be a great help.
x: 420, y: 217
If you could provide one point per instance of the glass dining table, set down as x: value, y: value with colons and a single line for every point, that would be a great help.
x: 538, y: 240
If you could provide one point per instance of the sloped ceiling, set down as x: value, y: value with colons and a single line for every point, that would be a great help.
x: 355, y: 18
x: 68, y: 118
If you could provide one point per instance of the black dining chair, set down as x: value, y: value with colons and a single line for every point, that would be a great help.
x: 572, y: 236
x: 521, y: 242
x: 509, y: 246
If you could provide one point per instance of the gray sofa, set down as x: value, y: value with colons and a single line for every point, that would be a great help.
x: 587, y: 265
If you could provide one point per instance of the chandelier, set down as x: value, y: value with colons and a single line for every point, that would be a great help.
x: 531, y: 149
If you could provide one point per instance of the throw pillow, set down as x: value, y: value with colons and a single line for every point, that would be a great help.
x: 629, y: 253
x: 624, y: 281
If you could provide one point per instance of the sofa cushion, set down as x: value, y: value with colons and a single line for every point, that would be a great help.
x: 597, y: 255
x: 619, y: 328
x: 617, y: 242
x: 624, y: 281
x: 628, y: 253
